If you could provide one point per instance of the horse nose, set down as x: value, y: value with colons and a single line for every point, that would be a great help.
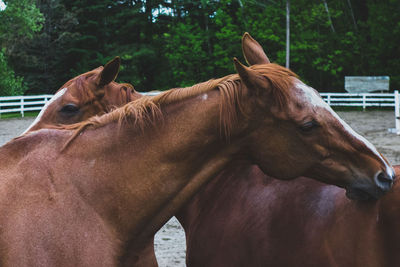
x: 384, y: 180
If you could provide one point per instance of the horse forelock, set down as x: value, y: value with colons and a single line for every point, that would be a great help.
x: 146, y: 109
x: 281, y: 80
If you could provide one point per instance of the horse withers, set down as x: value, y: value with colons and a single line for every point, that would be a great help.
x: 136, y: 166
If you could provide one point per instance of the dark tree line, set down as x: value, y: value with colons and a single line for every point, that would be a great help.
x: 173, y: 43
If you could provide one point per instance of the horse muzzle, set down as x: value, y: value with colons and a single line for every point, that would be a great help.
x: 382, y: 183
x: 384, y: 180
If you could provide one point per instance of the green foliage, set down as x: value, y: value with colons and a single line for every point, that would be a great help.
x: 44, y: 61
x: 9, y: 83
x: 173, y: 43
x: 182, y: 43
x: 228, y: 31
x: 20, y: 20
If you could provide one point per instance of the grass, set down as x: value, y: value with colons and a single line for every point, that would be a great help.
x: 18, y: 115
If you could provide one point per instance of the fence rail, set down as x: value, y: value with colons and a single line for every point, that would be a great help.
x: 363, y: 100
x: 21, y: 104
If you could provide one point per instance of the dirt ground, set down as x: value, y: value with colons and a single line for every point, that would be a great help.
x: 170, y: 240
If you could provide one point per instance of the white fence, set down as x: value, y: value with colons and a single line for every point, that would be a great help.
x: 21, y: 104
x: 363, y: 100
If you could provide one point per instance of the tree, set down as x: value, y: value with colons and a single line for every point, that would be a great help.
x: 10, y: 84
x: 19, y: 22
x: 171, y: 43
x: 43, y: 61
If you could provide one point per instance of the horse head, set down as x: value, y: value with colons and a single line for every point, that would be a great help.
x: 291, y: 120
x: 91, y: 93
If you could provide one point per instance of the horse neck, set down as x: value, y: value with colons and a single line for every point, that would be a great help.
x: 235, y: 180
x: 388, y: 220
x: 150, y: 175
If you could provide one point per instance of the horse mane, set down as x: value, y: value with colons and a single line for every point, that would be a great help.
x: 147, y: 109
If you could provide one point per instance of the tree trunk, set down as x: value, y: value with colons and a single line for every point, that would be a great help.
x: 287, y: 33
x: 352, y: 15
x: 329, y: 15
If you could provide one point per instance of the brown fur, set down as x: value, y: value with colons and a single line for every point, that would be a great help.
x: 288, y: 223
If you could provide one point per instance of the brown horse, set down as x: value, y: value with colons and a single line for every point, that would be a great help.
x: 91, y: 93
x: 294, y: 223
x: 86, y: 197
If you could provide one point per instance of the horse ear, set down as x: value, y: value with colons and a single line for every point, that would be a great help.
x: 110, y: 71
x: 251, y: 78
x: 252, y: 51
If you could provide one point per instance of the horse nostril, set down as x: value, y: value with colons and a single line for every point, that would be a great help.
x: 384, y: 181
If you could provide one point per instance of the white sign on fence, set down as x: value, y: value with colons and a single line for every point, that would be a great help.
x: 366, y: 84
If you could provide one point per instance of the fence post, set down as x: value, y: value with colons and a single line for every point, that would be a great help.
x: 397, y: 110
x: 329, y: 99
x: 364, y: 100
x: 22, y: 106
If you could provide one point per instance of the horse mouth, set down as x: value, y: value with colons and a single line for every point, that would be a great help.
x: 359, y: 194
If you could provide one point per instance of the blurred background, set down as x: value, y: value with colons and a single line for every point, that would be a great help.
x: 173, y: 43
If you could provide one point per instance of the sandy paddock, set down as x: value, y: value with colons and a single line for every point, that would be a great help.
x: 170, y: 240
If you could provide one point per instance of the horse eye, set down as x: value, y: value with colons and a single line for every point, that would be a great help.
x: 309, y: 126
x: 70, y: 109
